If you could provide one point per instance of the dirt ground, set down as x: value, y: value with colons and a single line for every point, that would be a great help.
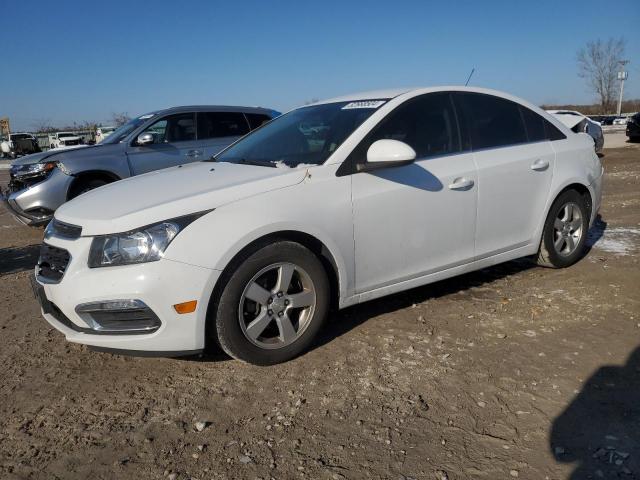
x: 513, y: 371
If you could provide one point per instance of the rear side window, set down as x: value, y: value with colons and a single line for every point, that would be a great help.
x: 534, y: 125
x: 427, y: 124
x: 221, y: 124
x: 491, y: 121
x: 552, y: 132
x: 257, y: 119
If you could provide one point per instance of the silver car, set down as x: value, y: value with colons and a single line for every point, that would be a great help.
x: 41, y: 182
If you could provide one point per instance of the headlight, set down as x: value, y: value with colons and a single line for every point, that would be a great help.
x: 144, y: 245
x: 36, y: 169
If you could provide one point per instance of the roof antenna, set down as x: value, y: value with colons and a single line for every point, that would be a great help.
x: 470, y: 75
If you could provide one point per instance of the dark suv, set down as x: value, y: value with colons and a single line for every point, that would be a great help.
x: 633, y: 128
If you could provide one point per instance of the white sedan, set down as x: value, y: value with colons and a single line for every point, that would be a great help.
x: 329, y: 205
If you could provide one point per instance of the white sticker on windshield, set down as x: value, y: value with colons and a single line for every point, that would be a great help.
x: 364, y: 104
x: 144, y: 117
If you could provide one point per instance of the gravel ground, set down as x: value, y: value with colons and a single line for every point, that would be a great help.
x: 513, y: 371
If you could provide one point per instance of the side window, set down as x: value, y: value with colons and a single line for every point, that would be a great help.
x: 257, y: 119
x: 552, y: 131
x: 492, y: 121
x: 534, y: 124
x: 221, y: 124
x: 174, y: 128
x: 427, y: 124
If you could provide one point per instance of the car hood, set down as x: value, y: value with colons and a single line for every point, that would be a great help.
x: 67, y: 154
x: 164, y: 194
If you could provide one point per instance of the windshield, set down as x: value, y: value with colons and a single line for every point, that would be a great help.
x: 62, y: 135
x: 123, y: 131
x: 305, y: 136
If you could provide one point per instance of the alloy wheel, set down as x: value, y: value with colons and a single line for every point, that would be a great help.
x: 277, y: 305
x: 568, y: 229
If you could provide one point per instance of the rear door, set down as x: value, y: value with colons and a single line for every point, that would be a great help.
x: 515, y: 166
x: 217, y: 130
x: 174, y: 144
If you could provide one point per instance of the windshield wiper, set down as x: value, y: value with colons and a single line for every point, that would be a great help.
x: 244, y: 161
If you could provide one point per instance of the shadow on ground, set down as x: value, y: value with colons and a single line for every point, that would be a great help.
x: 18, y: 259
x: 600, y: 429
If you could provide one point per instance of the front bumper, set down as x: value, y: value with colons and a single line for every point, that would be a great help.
x: 160, y: 285
x: 36, y: 204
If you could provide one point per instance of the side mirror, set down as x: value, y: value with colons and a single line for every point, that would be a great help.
x: 387, y: 153
x: 144, y: 139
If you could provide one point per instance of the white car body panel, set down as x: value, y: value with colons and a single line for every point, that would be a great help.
x: 381, y: 235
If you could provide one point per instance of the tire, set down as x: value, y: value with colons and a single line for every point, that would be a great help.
x: 565, y: 231
x: 86, y: 185
x: 256, y: 275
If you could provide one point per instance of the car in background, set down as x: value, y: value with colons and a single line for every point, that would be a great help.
x: 19, y: 144
x: 103, y: 132
x: 40, y: 183
x: 580, y: 123
x: 332, y: 204
x: 64, y: 140
x: 620, y: 121
x: 633, y: 128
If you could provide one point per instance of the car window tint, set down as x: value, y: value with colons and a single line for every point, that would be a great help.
x: 427, y: 124
x: 492, y: 121
x: 174, y: 128
x: 534, y: 125
x: 221, y: 124
x: 257, y: 119
x: 552, y: 132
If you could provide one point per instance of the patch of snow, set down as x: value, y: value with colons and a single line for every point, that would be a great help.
x: 616, y: 240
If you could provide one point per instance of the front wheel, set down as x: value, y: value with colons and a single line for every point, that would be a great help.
x: 273, y: 304
x: 565, y: 231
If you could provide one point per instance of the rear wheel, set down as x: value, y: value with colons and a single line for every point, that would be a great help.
x: 565, y: 231
x: 273, y: 304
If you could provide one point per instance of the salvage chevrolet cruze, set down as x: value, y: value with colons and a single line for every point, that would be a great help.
x: 329, y: 205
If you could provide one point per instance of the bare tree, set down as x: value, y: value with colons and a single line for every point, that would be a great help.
x: 598, y: 63
x: 120, y: 118
x: 42, y: 125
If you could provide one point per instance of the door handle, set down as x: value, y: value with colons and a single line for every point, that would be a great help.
x: 461, y: 184
x: 193, y: 153
x: 540, y: 165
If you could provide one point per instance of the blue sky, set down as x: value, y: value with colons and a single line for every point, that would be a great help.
x: 71, y: 61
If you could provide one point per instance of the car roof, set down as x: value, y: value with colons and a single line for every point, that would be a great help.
x: 392, y: 93
x: 214, y: 108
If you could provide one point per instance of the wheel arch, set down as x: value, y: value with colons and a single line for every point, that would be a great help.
x: 315, y: 245
x: 574, y: 184
x: 91, y: 175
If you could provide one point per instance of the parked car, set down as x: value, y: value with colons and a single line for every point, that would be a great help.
x: 103, y: 132
x: 331, y: 204
x: 64, y: 140
x: 19, y: 144
x: 580, y: 123
x: 633, y: 128
x: 40, y: 183
x: 620, y: 121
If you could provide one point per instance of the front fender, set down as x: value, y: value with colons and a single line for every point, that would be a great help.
x: 316, y: 207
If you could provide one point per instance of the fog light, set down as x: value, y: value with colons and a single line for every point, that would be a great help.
x: 119, y: 316
x: 186, y: 307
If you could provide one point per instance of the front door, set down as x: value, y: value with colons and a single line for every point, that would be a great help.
x: 174, y: 144
x: 417, y: 219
